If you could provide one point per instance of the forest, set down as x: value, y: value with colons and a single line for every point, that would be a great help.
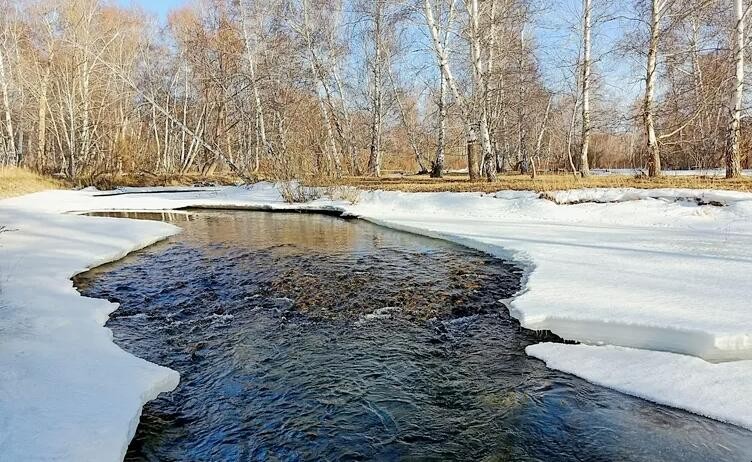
x: 334, y: 88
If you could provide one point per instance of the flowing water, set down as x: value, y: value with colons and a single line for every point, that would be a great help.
x: 307, y: 337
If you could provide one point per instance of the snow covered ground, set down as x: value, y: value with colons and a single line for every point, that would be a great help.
x: 66, y: 391
x: 656, y: 283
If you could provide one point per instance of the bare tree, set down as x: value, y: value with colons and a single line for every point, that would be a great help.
x: 250, y: 53
x: 300, y: 88
x: 657, y: 8
x: 323, y: 94
x: 376, y: 16
x: 11, y: 155
x: 733, y: 159
x: 586, y: 63
x: 442, y: 58
x: 441, y: 37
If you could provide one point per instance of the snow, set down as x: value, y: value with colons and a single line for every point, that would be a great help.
x: 659, y: 276
x: 679, y: 381
x: 600, y: 195
x: 66, y: 391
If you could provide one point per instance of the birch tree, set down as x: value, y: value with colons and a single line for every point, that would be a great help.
x: 376, y: 17
x: 654, y: 155
x: 481, y: 68
x: 9, y: 43
x: 586, y: 63
x: 442, y: 58
x: 733, y: 158
x: 441, y: 45
x: 11, y: 155
x: 340, y: 109
x: 317, y: 87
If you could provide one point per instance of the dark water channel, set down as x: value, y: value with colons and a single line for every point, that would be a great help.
x: 306, y: 337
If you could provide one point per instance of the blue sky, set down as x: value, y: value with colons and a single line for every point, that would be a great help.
x: 160, y: 7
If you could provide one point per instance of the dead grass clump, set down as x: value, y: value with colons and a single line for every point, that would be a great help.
x: 294, y: 192
x: 113, y: 181
x: 349, y: 194
x: 19, y: 181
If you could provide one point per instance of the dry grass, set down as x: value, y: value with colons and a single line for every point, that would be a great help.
x: 18, y: 181
x: 105, y: 182
x: 548, y: 182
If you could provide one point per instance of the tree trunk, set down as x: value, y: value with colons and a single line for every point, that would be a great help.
x: 654, y: 157
x: 11, y: 154
x: 570, y: 136
x: 443, y: 60
x: 85, y: 113
x: 584, y: 162
x: 42, y: 122
x: 437, y: 169
x: 480, y: 85
x: 542, y: 131
x: 522, y: 154
x: 733, y: 158
x: 472, y: 158
x: 374, y: 159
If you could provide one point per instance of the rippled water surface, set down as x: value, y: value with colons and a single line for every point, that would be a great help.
x: 306, y: 337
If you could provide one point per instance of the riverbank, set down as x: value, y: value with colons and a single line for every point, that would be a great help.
x: 16, y: 181
x: 660, y: 277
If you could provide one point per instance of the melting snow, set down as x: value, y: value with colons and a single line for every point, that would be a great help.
x: 656, y: 275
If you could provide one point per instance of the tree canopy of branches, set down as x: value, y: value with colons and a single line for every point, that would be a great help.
x: 328, y: 88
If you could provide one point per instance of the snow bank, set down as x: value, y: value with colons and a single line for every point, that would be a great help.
x: 644, y: 274
x: 66, y: 391
x: 608, y: 195
x: 720, y: 391
x: 648, y: 269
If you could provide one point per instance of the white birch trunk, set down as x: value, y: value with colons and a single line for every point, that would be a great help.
x: 42, y: 119
x: 437, y: 169
x: 586, y: 29
x: 11, y: 153
x: 654, y: 157
x: 542, y: 131
x: 481, y: 85
x: 374, y: 160
x: 733, y: 158
x: 85, y: 114
x: 443, y: 60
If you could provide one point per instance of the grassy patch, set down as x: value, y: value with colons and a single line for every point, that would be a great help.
x: 18, y: 181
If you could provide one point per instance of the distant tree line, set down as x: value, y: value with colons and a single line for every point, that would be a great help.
x: 291, y: 88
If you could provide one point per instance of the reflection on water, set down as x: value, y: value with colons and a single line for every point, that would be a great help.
x: 305, y: 337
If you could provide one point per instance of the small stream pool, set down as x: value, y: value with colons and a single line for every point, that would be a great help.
x: 309, y: 338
